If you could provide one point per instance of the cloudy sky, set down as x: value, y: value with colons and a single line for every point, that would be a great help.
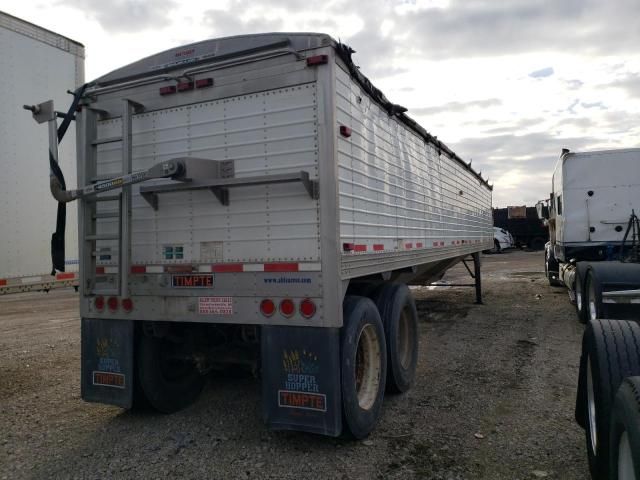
x: 505, y: 84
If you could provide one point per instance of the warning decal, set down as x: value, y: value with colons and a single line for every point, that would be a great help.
x: 215, y: 305
x: 108, y: 379
x: 302, y: 400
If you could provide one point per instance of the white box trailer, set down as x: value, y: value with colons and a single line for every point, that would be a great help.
x: 594, y: 232
x: 270, y: 208
x: 35, y: 64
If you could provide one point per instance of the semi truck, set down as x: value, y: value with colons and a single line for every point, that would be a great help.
x: 35, y: 63
x: 522, y: 222
x: 255, y: 200
x: 594, y: 246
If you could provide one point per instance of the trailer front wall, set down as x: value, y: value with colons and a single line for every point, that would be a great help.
x: 35, y: 65
x: 398, y: 194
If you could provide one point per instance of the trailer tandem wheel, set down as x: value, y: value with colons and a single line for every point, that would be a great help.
x: 363, y: 365
x: 579, y: 294
x: 624, y: 440
x: 610, y: 353
x: 169, y: 381
x: 400, y: 320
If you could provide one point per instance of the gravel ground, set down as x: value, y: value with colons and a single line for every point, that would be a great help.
x: 493, y: 399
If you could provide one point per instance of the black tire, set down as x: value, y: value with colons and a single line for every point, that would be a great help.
x: 400, y: 320
x: 363, y: 365
x: 624, y: 440
x: 496, y: 247
x: 169, y: 385
x: 611, y: 352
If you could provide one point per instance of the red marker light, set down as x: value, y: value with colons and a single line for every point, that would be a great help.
x: 112, y: 303
x: 168, y: 90
x: 184, y: 86
x: 287, y: 307
x: 99, y: 303
x: 345, y: 131
x: 204, y: 82
x: 127, y: 304
x: 307, y: 308
x: 317, y: 60
x: 267, y: 307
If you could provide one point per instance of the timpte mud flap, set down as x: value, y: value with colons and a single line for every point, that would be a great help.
x: 108, y: 361
x: 301, y: 379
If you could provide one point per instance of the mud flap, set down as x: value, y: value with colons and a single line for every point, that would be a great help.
x: 301, y: 379
x: 107, y: 361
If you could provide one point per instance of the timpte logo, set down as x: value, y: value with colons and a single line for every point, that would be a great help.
x: 301, y: 388
x: 108, y: 379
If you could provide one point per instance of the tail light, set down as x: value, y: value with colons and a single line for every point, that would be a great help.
x: 287, y: 307
x: 99, y: 303
x: 127, y: 304
x: 307, y: 308
x: 204, y: 82
x: 267, y: 307
x: 317, y: 60
x: 168, y: 90
x: 112, y: 303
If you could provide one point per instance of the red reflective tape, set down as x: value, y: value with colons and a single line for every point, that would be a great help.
x: 3, y: 282
x: 168, y: 90
x: 378, y: 246
x: 280, y: 267
x: 408, y: 245
x: 204, y: 82
x: 100, y: 270
x: 419, y: 245
x: 138, y: 269
x: 65, y: 276
x: 227, y: 268
x: 435, y: 244
x: 347, y: 247
x: 442, y: 244
x: 178, y: 268
x: 359, y: 248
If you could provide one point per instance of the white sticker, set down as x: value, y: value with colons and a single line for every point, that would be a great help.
x: 215, y: 305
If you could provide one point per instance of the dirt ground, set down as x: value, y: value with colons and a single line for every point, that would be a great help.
x: 493, y: 399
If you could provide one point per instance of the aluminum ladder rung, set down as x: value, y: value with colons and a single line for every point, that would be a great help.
x: 107, y: 292
x: 106, y: 215
x: 102, y: 141
x: 91, y: 238
x: 105, y: 198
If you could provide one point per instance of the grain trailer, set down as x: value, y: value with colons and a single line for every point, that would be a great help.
x: 255, y: 200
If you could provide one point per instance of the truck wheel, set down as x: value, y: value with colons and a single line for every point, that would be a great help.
x: 611, y: 352
x: 624, y: 442
x: 581, y: 304
x: 496, y: 247
x: 551, y: 268
x: 593, y: 296
x: 363, y: 365
x: 169, y: 383
x: 400, y: 320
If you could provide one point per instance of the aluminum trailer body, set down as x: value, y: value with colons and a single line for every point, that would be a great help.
x: 299, y: 185
x: 593, y: 233
x: 35, y: 64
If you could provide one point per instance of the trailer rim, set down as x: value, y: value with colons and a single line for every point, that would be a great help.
x: 593, y: 310
x: 625, y: 459
x: 591, y: 411
x: 368, y: 368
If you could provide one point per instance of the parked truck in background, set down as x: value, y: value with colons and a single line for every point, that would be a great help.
x: 594, y: 232
x: 524, y: 225
x: 255, y: 200
x: 35, y: 64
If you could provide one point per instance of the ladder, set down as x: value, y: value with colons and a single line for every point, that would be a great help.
x: 89, y: 213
